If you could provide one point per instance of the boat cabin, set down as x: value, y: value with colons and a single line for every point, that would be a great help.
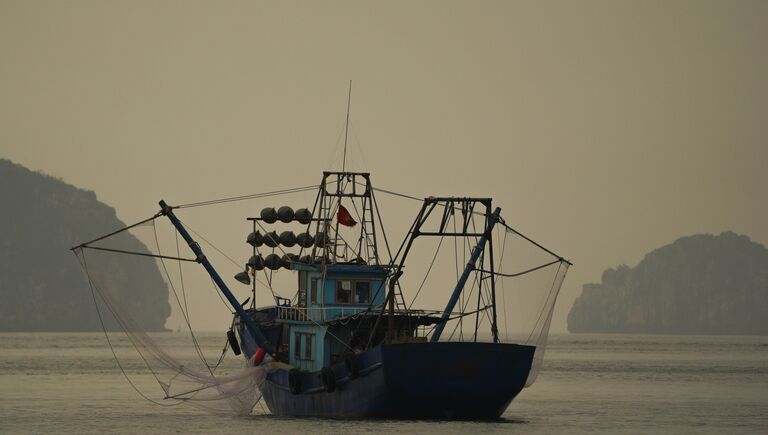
x: 326, y: 299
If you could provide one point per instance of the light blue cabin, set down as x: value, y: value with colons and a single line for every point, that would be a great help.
x: 325, y: 300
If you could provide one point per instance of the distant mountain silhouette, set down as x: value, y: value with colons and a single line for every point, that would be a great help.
x: 42, y: 287
x: 702, y: 284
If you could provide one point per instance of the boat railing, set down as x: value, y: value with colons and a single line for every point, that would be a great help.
x: 334, y: 312
x: 318, y: 314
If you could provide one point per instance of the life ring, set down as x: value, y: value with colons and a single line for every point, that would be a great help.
x: 329, y: 379
x: 232, y: 338
x: 353, y: 368
x: 294, y: 381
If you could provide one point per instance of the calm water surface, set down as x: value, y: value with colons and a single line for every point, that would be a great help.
x: 67, y: 383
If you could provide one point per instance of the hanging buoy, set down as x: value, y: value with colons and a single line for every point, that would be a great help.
x: 258, y: 356
x: 303, y: 215
x: 271, y: 239
x: 269, y: 215
x: 288, y: 259
x: 255, y: 239
x: 256, y: 262
x: 285, y: 214
x: 233, y: 344
x: 287, y: 238
x: 321, y: 239
x: 273, y: 261
x: 305, y: 240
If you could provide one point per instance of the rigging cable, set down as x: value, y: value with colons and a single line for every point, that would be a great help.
x: 198, y: 350
x: 249, y: 197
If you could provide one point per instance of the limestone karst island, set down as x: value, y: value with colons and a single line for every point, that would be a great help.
x: 42, y: 287
x: 702, y: 284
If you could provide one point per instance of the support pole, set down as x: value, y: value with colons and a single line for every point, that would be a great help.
x: 464, y: 276
x: 202, y: 259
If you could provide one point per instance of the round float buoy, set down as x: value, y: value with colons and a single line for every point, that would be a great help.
x: 273, y: 261
x: 255, y: 239
x: 285, y: 214
x: 303, y: 215
x: 269, y: 215
x: 288, y: 259
x: 287, y: 239
x: 305, y: 240
x: 321, y: 239
x: 256, y: 262
x: 271, y: 239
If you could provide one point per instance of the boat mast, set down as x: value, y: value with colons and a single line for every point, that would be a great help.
x: 346, y: 129
x: 479, y: 248
x: 449, y: 205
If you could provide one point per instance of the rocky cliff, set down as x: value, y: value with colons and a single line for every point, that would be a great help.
x: 42, y: 287
x: 702, y: 284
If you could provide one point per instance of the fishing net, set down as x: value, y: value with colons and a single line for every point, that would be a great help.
x: 136, y: 277
x: 144, y: 279
x: 527, y: 280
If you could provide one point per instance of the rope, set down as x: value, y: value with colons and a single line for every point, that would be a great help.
x: 117, y: 232
x: 503, y: 291
x: 216, y: 248
x: 437, y: 251
x: 142, y: 254
x: 198, y: 350
x: 248, y: 197
x: 402, y: 195
x: 84, y: 265
x: 501, y: 221
x: 533, y: 269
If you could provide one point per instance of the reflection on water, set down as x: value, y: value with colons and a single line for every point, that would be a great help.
x: 590, y: 383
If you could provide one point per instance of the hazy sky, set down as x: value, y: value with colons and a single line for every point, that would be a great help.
x: 603, y: 128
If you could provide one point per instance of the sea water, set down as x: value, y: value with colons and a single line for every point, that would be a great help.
x: 69, y: 383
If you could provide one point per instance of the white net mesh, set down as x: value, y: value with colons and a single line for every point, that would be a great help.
x: 527, y: 281
x: 132, y: 292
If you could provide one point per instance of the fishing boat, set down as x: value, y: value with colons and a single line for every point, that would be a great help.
x: 344, y: 343
x: 348, y: 350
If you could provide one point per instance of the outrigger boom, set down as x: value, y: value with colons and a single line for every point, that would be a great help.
x: 202, y: 259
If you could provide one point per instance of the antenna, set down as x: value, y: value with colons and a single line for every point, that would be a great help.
x: 346, y: 131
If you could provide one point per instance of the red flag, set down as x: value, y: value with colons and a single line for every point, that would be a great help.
x: 344, y: 217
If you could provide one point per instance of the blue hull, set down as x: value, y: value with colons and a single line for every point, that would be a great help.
x: 410, y: 380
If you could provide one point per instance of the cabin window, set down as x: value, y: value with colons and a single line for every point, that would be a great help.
x: 303, y: 343
x: 315, y: 295
x: 343, y: 291
x: 362, y: 292
x: 308, y: 346
x: 302, y: 289
x: 297, y: 347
